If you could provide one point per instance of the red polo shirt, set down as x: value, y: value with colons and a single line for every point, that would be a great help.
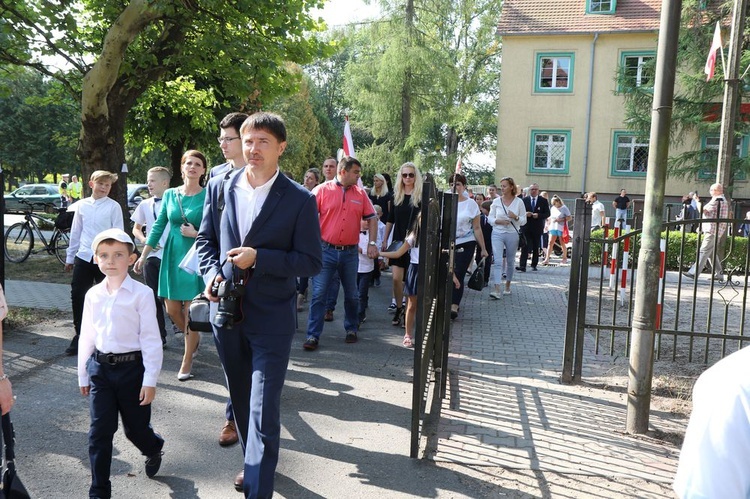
x: 341, y: 211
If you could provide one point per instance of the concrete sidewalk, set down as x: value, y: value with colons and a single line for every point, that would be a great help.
x: 508, y: 428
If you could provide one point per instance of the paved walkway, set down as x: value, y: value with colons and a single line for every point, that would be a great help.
x: 347, y: 409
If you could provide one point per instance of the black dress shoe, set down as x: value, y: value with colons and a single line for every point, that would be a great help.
x: 520, y: 269
x: 533, y: 268
x: 239, y: 481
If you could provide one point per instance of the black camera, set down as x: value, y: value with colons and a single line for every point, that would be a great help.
x: 229, y: 293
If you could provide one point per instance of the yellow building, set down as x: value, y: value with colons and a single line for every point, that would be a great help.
x: 560, y: 121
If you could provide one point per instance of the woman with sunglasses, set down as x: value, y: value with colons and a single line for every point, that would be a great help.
x: 406, y: 198
x: 468, y: 236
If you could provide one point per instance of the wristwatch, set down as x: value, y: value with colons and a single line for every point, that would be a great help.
x: 373, y: 243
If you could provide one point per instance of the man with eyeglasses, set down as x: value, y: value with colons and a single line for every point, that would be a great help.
x: 537, y: 212
x: 230, y: 143
x: 231, y: 146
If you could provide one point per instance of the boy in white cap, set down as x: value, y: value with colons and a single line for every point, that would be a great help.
x: 119, y: 359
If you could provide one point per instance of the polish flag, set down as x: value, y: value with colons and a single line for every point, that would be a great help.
x: 348, y: 142
x: 458, y: 165
x: 711, y: 61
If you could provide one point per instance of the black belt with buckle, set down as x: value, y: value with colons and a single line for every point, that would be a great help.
x: 117, y: 358
x: 339, y: 247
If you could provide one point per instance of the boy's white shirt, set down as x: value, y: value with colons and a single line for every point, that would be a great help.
x: 144, y: 215
x: 92, y: 216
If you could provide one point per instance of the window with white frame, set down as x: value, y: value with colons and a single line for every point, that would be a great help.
x: 630, y: 156
x: 550, y: 151
x: 601, y: 6
x: 554, y: 73
x: 639, y: 68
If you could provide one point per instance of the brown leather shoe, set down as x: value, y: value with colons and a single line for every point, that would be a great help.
x: 228, y: 435
x: 329, y: 316
x: 239, y: 481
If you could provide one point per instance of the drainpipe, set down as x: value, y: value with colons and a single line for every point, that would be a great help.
x: 587, y: 133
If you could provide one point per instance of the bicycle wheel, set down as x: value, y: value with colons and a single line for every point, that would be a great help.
x: 18, y: 242
x: 60, y: 243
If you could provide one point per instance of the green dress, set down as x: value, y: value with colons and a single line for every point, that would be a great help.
x: 175, y: 283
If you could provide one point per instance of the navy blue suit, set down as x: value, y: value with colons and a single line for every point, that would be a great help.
x: 255, y: 352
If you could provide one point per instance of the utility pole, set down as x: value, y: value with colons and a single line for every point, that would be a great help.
x: 731, y: 98
x: 647, y: 285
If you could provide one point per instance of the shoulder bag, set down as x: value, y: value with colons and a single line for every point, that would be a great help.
x: 476, y: 281
x: 521, y: 238
x: 11, y: 487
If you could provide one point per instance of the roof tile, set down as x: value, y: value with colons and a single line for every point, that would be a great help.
x: 528, y: 17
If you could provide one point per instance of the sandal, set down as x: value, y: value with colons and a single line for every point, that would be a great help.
x: 408, y: 343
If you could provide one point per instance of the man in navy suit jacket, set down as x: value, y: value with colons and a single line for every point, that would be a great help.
x: 537, y: 212
x: 264, y: 235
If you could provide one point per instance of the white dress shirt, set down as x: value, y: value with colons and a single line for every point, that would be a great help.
x: 251, y: 199
x: 92, y: 216
x: 120, y: 321
x: 146, y: 214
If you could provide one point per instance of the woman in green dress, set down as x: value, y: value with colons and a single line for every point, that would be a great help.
x: 181, y: 213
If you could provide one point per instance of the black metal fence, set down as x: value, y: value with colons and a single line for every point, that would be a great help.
x: 698, y: 318
x: 432, y: 329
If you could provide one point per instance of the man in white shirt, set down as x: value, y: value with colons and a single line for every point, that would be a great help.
x: 716, y: 450
x: 597, y: 211
x: 93, y: 214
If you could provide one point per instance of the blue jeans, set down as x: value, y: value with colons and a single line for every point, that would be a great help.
x: 333, y: 292
x: 507, y: 241
x: 345, y: 263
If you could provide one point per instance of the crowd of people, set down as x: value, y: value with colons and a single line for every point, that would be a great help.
x: 258, y: 244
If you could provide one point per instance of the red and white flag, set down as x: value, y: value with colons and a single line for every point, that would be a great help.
x: 348, y: 142
x: 711, y: 61
x: 458, y: 165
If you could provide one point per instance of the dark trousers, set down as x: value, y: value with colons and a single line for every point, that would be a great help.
x: 115, y: 389
x: 364, y: 280
x: 533, y: 241
x: 463, y: 254
x: 85, y: 275
x: 151, y: 276
x: 256, y: 365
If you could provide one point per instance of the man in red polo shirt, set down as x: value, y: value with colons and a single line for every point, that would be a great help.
x: 342, y: 205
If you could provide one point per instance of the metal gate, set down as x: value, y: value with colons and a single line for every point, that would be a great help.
x: 698, y: 319
x: 432, y: 328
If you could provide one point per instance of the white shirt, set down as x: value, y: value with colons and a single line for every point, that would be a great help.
x: 92, y: 216
x: 146, y: 214
x: 596, y: 214
x: 498, y: 212
x: 366, y: 264
x: 556, y: 213
x: 251, y: 199
x: 466, y: 212
x: 119, y: 322
x: 413, y: 252
x: 716, y: 450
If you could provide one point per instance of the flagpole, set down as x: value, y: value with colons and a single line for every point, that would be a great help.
x: 731, y: 102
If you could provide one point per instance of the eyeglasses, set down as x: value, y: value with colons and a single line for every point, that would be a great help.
x: 408, y: 175
x: 228, y: 140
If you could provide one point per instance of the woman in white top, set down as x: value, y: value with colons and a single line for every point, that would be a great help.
x: 559, y: 217
x: 468, y: 235
x: 507, y: 216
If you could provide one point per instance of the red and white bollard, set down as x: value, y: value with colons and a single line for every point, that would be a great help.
x: 605, y: 254
x: 613, y: 261
x: 662, y: 275
x: 625, y: 253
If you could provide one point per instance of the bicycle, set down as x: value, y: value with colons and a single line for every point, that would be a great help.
x: 19, y: 238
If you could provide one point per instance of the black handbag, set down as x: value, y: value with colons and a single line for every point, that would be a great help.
x: 476, y: 281
x: 199, y: 314
x: 11, y: 486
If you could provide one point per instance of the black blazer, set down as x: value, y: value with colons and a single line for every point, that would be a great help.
x: 536, y: 225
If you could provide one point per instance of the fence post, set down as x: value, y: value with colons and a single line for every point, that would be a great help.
x: 581, y: 227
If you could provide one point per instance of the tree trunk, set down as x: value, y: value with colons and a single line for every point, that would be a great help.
x: 175, y: 152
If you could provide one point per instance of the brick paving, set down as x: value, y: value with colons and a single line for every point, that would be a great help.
x: 506, y: 407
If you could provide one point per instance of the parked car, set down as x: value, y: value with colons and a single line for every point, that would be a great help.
x: 35, y: 193
x: 136, y: 194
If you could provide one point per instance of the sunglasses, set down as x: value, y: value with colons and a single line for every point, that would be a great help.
x: 408, y: 175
